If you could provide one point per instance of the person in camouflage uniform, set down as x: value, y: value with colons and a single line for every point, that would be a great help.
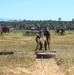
x: 48, y: 38
x: 38, y: 41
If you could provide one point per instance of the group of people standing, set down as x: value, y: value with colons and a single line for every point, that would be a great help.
x: 46, y: 37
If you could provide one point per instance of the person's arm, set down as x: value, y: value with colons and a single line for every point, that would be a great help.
x: 50, y: 36
x: 37, y: 34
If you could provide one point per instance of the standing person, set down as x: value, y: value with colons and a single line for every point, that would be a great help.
x: 48, y: 38
x: 38, y: 41
x: 0, y: 29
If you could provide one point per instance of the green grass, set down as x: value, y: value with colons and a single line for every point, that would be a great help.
x: 18, y: 31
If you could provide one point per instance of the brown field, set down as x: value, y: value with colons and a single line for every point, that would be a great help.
x: 24, y: 61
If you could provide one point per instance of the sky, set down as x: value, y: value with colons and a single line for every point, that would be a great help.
x: 37, y: 9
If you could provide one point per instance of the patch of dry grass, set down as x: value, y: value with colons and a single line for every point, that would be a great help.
x: 24, y: 47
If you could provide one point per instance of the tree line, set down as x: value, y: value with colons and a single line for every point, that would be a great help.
x: 28, y: 24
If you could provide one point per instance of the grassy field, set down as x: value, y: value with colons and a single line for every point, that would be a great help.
x: 23, y: 47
